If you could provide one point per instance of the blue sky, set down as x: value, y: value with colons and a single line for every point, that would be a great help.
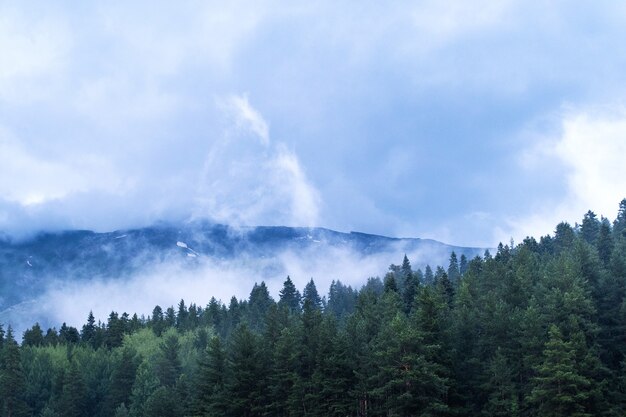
x: 467, y: 123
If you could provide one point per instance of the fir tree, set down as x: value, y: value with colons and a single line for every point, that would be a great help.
x: 454, y: 273
x: 12, y: 381
x: 88, y: 333
x: 211, y: 397
x: 168, y: 366
x: 559, y: 389
x: 290, y: 296
x: 311, y: 295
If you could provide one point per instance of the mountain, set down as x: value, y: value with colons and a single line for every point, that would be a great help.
x: 29, y: 267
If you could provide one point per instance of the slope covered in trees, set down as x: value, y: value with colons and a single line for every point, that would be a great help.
x: 538, y: 329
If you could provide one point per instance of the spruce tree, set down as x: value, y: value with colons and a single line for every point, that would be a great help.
x: 590, y: 228
x: 168, y: 366
x: 454, y: 273
x: 88, y: 333
x: 73, y: 401
x: 122, y: 380
x: 246, y: 383
x: 12, y: 380
x: 311, y: 295
x: 619, y: 225
x: 211, y: 397
x: 290, y: 296
x: 146, y: 383
x: 559, y: 390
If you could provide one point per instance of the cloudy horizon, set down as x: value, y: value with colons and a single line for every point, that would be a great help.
x: 466, y: 123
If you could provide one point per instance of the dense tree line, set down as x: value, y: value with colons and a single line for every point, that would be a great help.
x: 537, y: 329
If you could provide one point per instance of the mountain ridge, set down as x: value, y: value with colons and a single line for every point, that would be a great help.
x: 30, y: 266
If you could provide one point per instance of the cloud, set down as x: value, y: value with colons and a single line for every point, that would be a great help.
x: 247, y: 182
x: 588, y: 151
x: 34, y: 55
x: 245, y: 118
x: 69, y: 298
x: 30, y: 179
x: 115, y: 103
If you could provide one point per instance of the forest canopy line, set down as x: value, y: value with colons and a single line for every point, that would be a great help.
x: 536, y: 329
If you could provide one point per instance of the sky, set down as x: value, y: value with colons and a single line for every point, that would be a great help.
x: 469, y: 123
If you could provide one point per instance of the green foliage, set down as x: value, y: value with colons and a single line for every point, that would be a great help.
x: 559, y: 390
x: 536, y: 330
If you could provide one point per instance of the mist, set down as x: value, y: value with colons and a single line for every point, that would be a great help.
x: 69, y: 298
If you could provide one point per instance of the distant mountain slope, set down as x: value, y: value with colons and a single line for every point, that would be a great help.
x: 26, y: 267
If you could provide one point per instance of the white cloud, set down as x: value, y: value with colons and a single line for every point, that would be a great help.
x: 245, y: 118
x: 34, y: 55
x: 29, y: 179
x: 591, y: 148
x: 247, y: 182
x: 304, y: 199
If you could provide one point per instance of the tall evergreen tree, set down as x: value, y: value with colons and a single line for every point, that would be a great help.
x: 290, y: 296
x: 559, y: 389
x: 168, y: 366
x: 122, y: 380
x: 211, y: 397
x: 88, y: 333
x: 605, y: 241
x: 73, y: 400
x: 463, y: 264
x: 246, y: 384
x: 590, y: 228
x: 619, y: 225
x: 454, y: 274
x: 258, y: 306
x: 311, y: 295
x: 146, y: 383
x: 33, y: 336
x: 12, y: 381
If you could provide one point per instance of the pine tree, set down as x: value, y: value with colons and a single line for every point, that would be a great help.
x: 122, y: 380
x: 390, y: 283
x: 121, y: 411
x: 115, y: 331
x: 285, y: 386
x: 157, y: 323
x: 590, y: 228
x: 12, y: 380
x: 406, y: 267
x: 146, y: 383
x: 605, y: 241
x: 33, y: 336
x: 246, y: 383
x: 410, y: 285
x: 333, y: 376
x: 463, y: 265
x: 211, y: 397
x: 619, y: 225
x: 163, y: 402
x: 454, y: 273
x: 168, y: 366
x: 290, y: 296
x: 311, y: 295
x: 502, y: 398
x: 182, y: 317
x: 559, y: 390
x: 88, y: 333
x: 73, y: 399
x: 258, y: 305
x: 429, y: 277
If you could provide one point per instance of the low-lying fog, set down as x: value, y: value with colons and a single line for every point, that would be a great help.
x: 166, y: 283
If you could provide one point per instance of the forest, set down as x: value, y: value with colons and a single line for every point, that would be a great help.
x: 536, y: 328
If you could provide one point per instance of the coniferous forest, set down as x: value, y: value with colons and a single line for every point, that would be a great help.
x: 533, y: 329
